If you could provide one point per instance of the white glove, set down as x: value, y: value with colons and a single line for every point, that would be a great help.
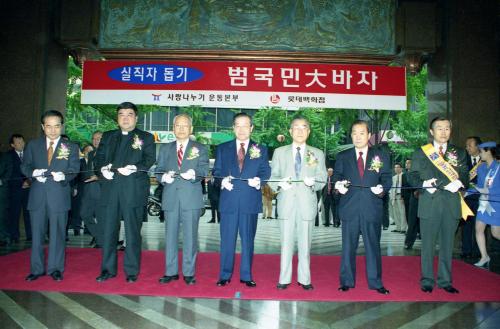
x: 377, y: 189
x: 168, y: 178
x: 226, y: 183
x: 106, y: 172
x: 189, y: 175
x: 38, y: 174
x: 58, y: 176
x: 341, y: 186
x: 309, y: 181
x: 127, y: 170
x: 254, y: 182
x: 285, y: 183
x: 454, y: 186
x: 428, y: 185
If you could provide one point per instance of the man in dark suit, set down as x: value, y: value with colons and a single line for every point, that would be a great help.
x: 123, y: 158
x: 5, y: 174
x: 18, y: 190
x: 90, y: 192
x: 213, y: 196
x: 329, y: 201
x: 439, y: 204
x: 52, y: 163
x: 240, y: 198
x: 469, y: 245
x: 184, y: 164
x: 410, y: 197
x: 362, y: 176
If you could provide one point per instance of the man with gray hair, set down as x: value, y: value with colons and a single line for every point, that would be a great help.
x: 181, y: 166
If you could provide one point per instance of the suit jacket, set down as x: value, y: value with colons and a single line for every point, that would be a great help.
x: 242, y: 198
x: 5, y: 170
x: 361, y: 201
x: 16, y: 183
x: 472, y: 199
x: 300, y: 198
x: 422, y: 169
x: 143, y: 157
x: 324, y: 192
x: 393, y: 190
x: 57, y: 195
x: 187, y: 193
x: 91, y: 190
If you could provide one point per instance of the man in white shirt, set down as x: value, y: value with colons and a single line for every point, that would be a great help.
x: 396, y: 205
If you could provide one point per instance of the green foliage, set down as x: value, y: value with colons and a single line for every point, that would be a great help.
x: 202, y: 120
x: 411, y: 125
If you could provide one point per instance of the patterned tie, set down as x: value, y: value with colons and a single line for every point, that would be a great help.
x: 50, y: 152
x: 180, y: 154
x: 441, y: 153
x: 241, y: 156
x: 298, y: 163
x: 361, y: 165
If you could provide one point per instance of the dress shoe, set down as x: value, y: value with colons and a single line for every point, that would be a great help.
x: 92, y: 242
x: 344, y: 288
x: 33, y: 277
x: 450, y: 289
x: 211, y: 221
x: 131, y: 278
x: 282, y: 286
x: 250, y: 283
x: 168, y: 278
x: 483, y: 262
x: 408, y: 247
x: 426, y: 289
x: 105, y: 275
x: 383, y: 291
x: 121, y: 248
x: 396, y: 231
x: 76, y: 232
x: 222, y: 282
x: 120, y: 242
x: 306, y: 286
x: 190, y: 280
x: 56, y: 276
x: 402, y: 232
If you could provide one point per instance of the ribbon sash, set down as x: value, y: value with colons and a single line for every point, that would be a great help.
x: 447, y: 169
x: 473, y: 171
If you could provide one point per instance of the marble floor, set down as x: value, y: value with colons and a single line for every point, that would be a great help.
x: 21, y: 309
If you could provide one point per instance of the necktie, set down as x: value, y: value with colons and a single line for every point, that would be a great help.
x: 441, y: 151
x: 180, y: 154
x: 398, y: 187
x: 50, y: 152
x: 361, y: 165
x: 241, y: 155
x: 474, y: 161
x: 298, y: 163
x: 329, y: 185
x: 21, y: 156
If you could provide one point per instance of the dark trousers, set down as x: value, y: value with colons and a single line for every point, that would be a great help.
x: 385, y: 214
x: 413, y: 222
x: 214, y: 206
x: 370, y: 231
x: 230, y: 225
x: 132, y: 218
x: 19, y: 202
x: 91, y: 219
x: 57, y: 240
x: 330, y: 206
x: 469, y: 245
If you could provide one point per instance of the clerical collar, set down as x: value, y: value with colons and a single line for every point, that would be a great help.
x: 124, y: 132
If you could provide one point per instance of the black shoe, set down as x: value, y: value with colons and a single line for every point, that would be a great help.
x: 250, y: 283
x: 344, y: 288
x: 57, y: 276
x: 282, y: 286
x: 383, y: 291
x: 190, y: 280
x: 121, y: 248
x: 408, y: 247
x: 120, y: 242
x: 131, y: 278
x: 450, y: 289
x: 92, y: 242
x: 326, y: 225
x: 33, y: 277
x: 393, y: 223
x: 76, y: 232
x: 105, y: 275
x: 168, y: 278
x: 211, y: 221
x: 427, y: 289
x: 222, y: 282
x: 402, y: 232
x: 396, y: 231
x: 306, y: 286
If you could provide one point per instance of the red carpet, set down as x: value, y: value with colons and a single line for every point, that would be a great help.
x: 400, y: 275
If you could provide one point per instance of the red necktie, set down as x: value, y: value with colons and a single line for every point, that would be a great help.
x: 180, y: 154
x: 50, y: 152
x: 441, y: 151
x: 329, y: 185
x: 241, y: 155
x: 361, y: 165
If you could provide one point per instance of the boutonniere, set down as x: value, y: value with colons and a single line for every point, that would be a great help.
x: 193, y: 153
x: 137, y: 144
x: 311, y: 159
x: 451, y: 157
x: 63, y: 152
x: 376, y: 164
x: 254, y: 151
